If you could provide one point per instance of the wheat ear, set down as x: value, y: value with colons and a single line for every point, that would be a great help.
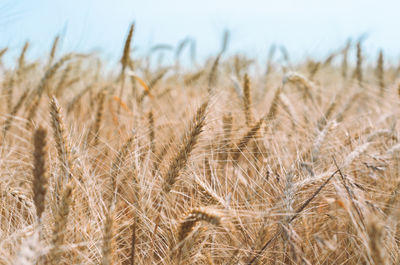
x: 53, y: 50
x: 21, y: 59
x: 246, y: 139
x: 39, y: 185
x: 62, y: 143
x: 99, y: 115
x: 14, y: 111
x: 380, y: 73
x: 125, y: 60
x: 358, y: 72
x: 189, y: 142
x: 247, y: 100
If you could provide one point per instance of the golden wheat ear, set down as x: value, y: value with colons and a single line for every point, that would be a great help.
x: 125, y: 61
x: 247, y: 100
x: 39, y: 185
x: 53, y: 50
x: 380, y: 72
x: 62, y: 143
x: 196, y: 215
x: 188, y: 144
x: 189, y: 222
x: 251, y: 133
x: 95, y: 132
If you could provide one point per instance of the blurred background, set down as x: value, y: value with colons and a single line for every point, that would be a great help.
x: 307, y: 28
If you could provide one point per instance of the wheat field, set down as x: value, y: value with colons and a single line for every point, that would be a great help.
x: 229, y: 161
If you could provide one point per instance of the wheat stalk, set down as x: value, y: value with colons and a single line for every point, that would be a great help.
x: 108, y: 238
x: 60, y: 225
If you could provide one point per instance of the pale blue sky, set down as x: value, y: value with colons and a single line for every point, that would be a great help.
x: 303, y: 26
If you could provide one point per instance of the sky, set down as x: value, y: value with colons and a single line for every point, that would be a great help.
x: 305, y: 28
